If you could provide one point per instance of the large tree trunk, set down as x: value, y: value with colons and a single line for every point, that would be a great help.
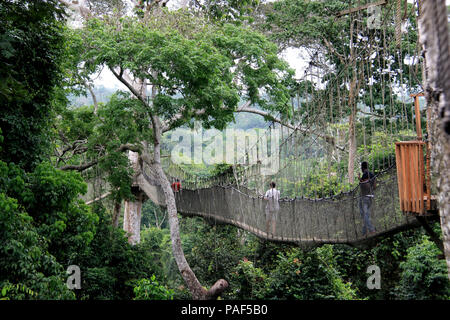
x: 433, y: 27
x: 133, y: 208
x: 116, y: 214
x: 196, y: 289
x: 132, y: 219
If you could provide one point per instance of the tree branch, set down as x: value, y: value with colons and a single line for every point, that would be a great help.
x: 168, y: 124
x: 80, y: 167
x: 84, y: 166
x: 94, y: 97
x: 120, y: 77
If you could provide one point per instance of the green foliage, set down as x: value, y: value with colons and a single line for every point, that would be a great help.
x: 153, y: 216
x: 232, y: 10
x: 423, y: 276
x: 319, y: 178
x: 221, y: 169
x: 306, y: 276
x: 248, y: 282
x: 45, y: 226
x: 150, y: 289
x: 100, y: 137
x: 102, y: 93
x: 62, y: 218
x: 158, y: 242
x: 212, y: 251
x: 379, y: 150
x: 321, y: 184
x: 59, y: 229
x: 305, y: 23
x: 194, y: 63
x: 31, y: 41
x: 14, y: 290
x: 109, y: 263
x: 26, y: 262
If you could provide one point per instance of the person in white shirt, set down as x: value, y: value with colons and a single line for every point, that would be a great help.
x: 272, y: 207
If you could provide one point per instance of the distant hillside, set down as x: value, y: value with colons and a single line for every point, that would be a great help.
x: 102, y: 94
x: 243, y: 120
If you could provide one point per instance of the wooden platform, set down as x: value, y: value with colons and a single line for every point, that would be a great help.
x: 413, y: 178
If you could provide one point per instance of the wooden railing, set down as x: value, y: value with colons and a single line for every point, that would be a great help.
x: 414, y: 183
x: 411, y: 176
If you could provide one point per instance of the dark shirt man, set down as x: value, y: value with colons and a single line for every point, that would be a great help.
x: 367, y: 183
x: 367, y: 186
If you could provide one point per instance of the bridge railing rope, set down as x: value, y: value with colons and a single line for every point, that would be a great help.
x: 300, y: 220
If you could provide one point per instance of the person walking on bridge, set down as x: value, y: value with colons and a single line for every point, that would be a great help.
x: 367, y: 185
x: 272, y: 207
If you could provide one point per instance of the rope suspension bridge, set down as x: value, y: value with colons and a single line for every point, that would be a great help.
x: 301, y: 221
x: 362, y: 110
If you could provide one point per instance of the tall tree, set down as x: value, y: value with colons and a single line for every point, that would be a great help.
x: 179, y: 68
x: 434, y: 37
x: 31, y: 42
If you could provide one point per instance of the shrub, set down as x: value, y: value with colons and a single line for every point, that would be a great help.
x: 150, y: 289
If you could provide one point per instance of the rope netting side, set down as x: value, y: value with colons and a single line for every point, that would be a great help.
x: 300, y: 220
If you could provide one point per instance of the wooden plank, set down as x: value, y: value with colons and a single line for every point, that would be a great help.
x: 406, y: 164
x: 419, y: 195
x: 421, y: 178
x: 398, y: 160
x: 418, y: 122
x: 421, y: 94
x: 365, y: 6
x: 408, y: 143
x: 411, y: 176
x: 402, y: 174
x: 404, y: 180
x: 414, y: 178
x: 419, y: 174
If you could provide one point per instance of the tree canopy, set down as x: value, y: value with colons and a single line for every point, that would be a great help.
x: 202, y: 63
x: 31, y: 45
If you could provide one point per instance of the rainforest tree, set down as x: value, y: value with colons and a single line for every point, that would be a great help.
x: 177, y: 68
